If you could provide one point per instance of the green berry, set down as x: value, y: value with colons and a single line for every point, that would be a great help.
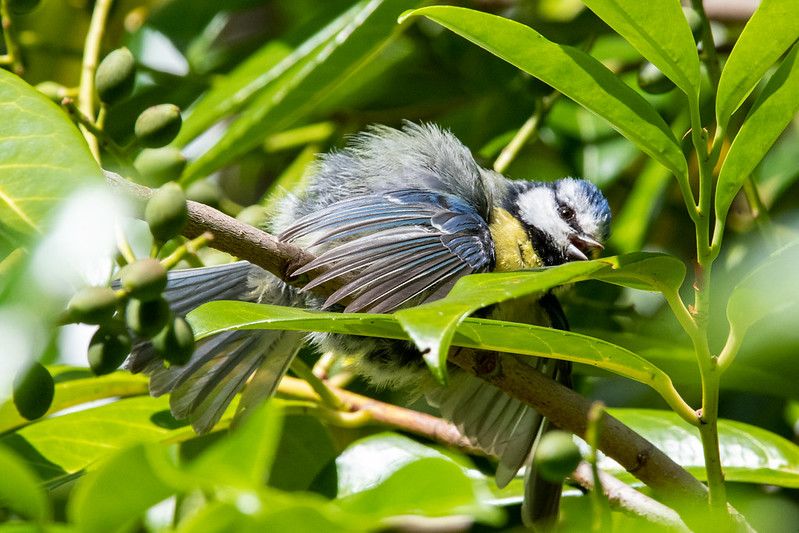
x: 108, y: 348
x: 556, y: 456
x: 145, y: 319
x: 93, y: 305
x: 144, y: 279
x: 160, y: 165
x: 175, y: 343
x: 116, y: 76
x: 652, y: 80
x: 158, y: 125
x: 254, y: 215
x: 205, y: 192
x: 33, y: 391
x: 22, y: 7
x: 167, y: 212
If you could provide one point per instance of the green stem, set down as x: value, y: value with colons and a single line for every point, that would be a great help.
x: 304, y: 372
x: 100, y: 136
x: 187, y: 248
x: 13, y: 55
x: 526, y: 132
x: 91, y: 57
x: 709, y: 56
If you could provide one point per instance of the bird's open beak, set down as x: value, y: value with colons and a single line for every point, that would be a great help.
x: 581, y: 248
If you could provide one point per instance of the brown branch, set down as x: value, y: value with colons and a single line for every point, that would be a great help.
x: 626, y: 499
x: 563, y: 406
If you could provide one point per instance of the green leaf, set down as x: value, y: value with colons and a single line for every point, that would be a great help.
x: 748, y: 454
x: 432, y: 325
x: 219, y: 316
x: 572, y: 72
x: 770, y: 288
x: 770, y: 31
x: 119, y: 491
x: 60, y: 446
x: 660, y: 32
x: 237, y: 89
x: 43, y: 158
x: 289, y: 97
x: 305, y: 449
x: 773, y: 110
x: 76, y: 386
x: 388, y: 475
x: 20, y: 489
x: 245, y: 457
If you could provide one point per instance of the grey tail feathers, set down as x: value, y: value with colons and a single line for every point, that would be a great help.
x: 221, y: 366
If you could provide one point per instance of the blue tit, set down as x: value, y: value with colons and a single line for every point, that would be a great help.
x: 409, y: 212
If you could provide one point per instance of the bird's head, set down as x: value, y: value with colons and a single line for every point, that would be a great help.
x: 565, y: 220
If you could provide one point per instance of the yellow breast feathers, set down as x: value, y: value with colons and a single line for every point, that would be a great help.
x: 512, y: 245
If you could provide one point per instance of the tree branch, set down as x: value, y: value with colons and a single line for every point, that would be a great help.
x: 563, y: 406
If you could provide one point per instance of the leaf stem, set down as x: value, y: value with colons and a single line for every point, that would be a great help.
x: 304, y: 372
x: 528, y: 130
x: 709, y: 56
x: 91, y: 56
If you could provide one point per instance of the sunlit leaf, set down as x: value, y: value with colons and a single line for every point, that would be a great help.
x: 43, y: 158
x: 219, y: 316
x: 20, y: 489
x: 63, y: 445
x: 569, y: 70
x: 771, y: 287
x: 660, y: 32
x: 111, y: 497
x: 774, y: 109
x: 404, y: 477
x: 748, y: 454
x: 431, y: 326
x: 76, y: 386
x: 770, y: 31
x: 288, y: 97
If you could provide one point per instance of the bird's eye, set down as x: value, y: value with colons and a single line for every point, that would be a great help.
x: 566, y: 213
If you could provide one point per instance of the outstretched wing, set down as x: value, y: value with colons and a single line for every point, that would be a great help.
x: 404, y: 245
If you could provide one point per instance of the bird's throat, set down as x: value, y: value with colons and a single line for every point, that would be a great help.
x: 512, y: 245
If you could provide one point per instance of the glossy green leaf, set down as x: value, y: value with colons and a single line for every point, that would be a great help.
x: 748, y: 453
x: 20, y: 489
x: 76, y: 386
x: 660, y: 32
x: 431, y: 326
x: 92, y: 434
x: 236, y: 89
x: 767, y: 35
x: 245, y: 457
x: 388, y: 475
x: 111, y: 497
x: 283, y: 102
x: 305, y: 450
x: 572, y: 72
x: 770, y: 288
x: 773, y: 110
x: 510, y: 337
x: 43, y: 158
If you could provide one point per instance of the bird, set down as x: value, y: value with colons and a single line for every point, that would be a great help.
x: 404, y: 213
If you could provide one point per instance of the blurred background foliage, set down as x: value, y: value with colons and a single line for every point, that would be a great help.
x: 306, y: 91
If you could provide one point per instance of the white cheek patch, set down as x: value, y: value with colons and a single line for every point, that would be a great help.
x: 573, y: 193
x: 537, y: 208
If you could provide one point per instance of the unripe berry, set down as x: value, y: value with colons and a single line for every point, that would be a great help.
x: 158, y: 125
x: 93, y: 305
x: 167, y: 212
x: 145, y: 319
x: 116, y: 76
x: 556, y: 456
x: 108, y: 348
x: 160, y: 165
x: 33, y: 391
x: 175, y: 343
x: 144, y: 279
